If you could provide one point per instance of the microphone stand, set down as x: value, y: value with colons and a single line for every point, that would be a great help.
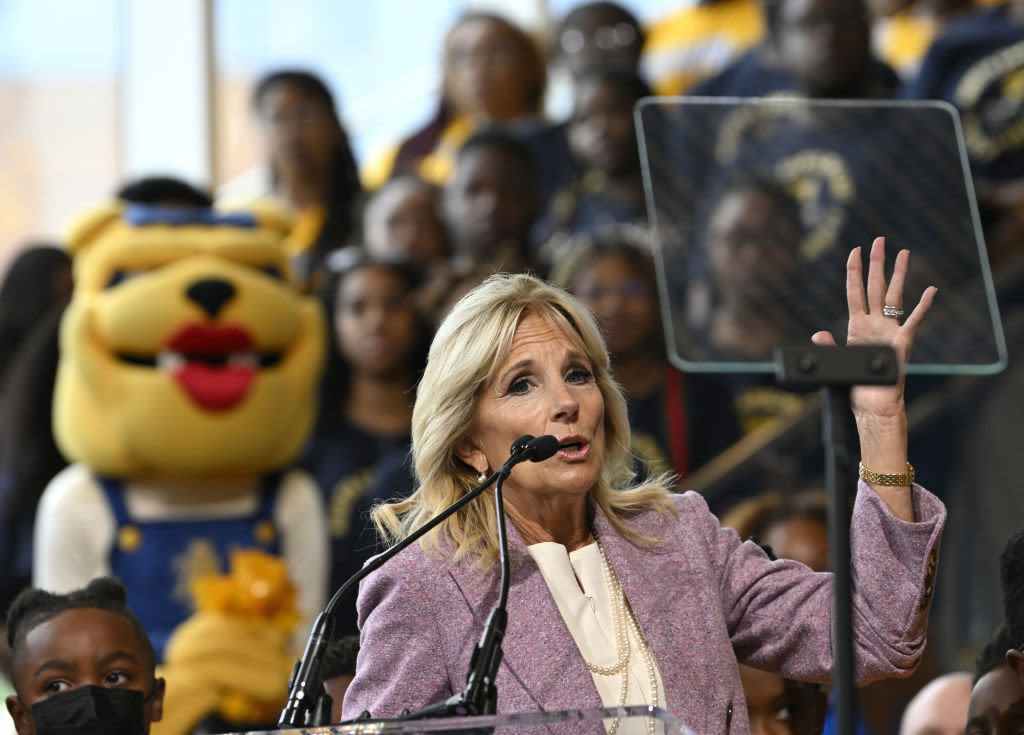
x: 308, y: 703
x: 480, y: 697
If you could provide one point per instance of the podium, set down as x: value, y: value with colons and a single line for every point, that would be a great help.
x: 591, y: 721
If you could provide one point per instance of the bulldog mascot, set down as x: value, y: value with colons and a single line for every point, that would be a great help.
x: 187, y: 383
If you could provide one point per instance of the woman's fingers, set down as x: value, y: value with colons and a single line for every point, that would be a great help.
x: 920, y: 310
x: 855, y: 284
x: 871, y: 297
x: 823, y: 338
x: 876, y: 276
x: 894, y: 294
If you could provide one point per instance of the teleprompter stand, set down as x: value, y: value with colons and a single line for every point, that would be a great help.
x: 835, y: 370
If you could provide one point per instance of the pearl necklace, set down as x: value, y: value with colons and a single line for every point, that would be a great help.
x: 625, y: 623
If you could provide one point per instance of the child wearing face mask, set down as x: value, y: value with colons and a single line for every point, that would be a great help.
x: 82, y: 664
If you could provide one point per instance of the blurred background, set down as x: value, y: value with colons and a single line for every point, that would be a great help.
x: 96, y: 93
x: 130, y: 70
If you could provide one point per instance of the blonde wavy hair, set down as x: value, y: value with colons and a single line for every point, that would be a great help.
x: 471, y: 344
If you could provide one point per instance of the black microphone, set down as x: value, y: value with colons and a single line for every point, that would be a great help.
x: 308, y: 705
x: 539, y: 449
x: 520, y: 445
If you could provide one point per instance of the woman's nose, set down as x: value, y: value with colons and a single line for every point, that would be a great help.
x: 565, y: 407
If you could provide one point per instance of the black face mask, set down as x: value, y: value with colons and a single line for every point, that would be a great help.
x: 91, y: 710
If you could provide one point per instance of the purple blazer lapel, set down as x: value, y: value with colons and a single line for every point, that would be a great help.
x: 543, y: 669
x: 651, y: 578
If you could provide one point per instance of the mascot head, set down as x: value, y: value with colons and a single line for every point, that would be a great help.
x: 186, y: 351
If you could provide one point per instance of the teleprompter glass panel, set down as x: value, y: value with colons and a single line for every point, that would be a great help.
x: 755, y: 205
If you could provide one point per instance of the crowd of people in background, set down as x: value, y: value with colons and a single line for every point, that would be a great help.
x: 494, y: 181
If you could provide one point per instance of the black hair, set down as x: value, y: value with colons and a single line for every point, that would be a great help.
x: 622, y: 241
x: 409, y: 178
x: 758, y: 182
x: 1011, y: 577
x: 613, y: 10
x: 164, y: 190
x: 344, y: 262
x: 498, y: 139
x: 413, y: 180
x: 993, y: 653
x: 768, y: 550
x: 337, y: 373
x: 340, y: 659
x: 33, y: 607
x: 28, y: 291
x: 800, y: 508
x: 29, y: 457
x: 770, y: 11
x: 307, y: 81
x: 754, y: 517
x: 343, y: 187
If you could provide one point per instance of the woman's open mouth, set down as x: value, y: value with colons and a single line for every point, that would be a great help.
x: 573, y: 447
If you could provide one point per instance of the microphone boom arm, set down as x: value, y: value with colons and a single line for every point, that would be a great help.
x: 305, y: 688
x: 309, y: 705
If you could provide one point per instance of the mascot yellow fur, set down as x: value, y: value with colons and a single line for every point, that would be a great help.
x: 187, y: 383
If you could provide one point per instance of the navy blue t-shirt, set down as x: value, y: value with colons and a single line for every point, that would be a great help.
x: 751, y: 76
x: 688, y: 420
x: 354, y: 468
x: 977, y: 65
x: 747, y: 76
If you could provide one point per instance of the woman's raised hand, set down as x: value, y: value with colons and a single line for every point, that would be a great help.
x: 879, y: 409
x: 870, y: 325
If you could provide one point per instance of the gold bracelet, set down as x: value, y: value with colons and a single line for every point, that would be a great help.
x: 876, y: 478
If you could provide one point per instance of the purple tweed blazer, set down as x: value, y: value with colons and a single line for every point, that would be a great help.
x: 702, y: 598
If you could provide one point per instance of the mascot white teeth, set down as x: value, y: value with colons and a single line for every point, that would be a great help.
x: 187, y: 384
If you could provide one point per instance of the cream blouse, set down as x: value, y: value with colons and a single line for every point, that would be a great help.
x: 576, y: 582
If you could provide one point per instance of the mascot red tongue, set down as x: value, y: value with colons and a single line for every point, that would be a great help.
x: 215, y: 387
x: 187, y: 384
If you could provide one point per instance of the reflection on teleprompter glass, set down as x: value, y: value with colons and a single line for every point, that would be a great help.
x: 756, y: 204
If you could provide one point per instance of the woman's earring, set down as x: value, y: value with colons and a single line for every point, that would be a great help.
x: 481, y: 476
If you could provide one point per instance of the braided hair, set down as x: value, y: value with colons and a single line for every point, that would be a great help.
x: 33, y: 607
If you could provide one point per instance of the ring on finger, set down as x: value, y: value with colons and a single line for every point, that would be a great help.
x: 893, y: 312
